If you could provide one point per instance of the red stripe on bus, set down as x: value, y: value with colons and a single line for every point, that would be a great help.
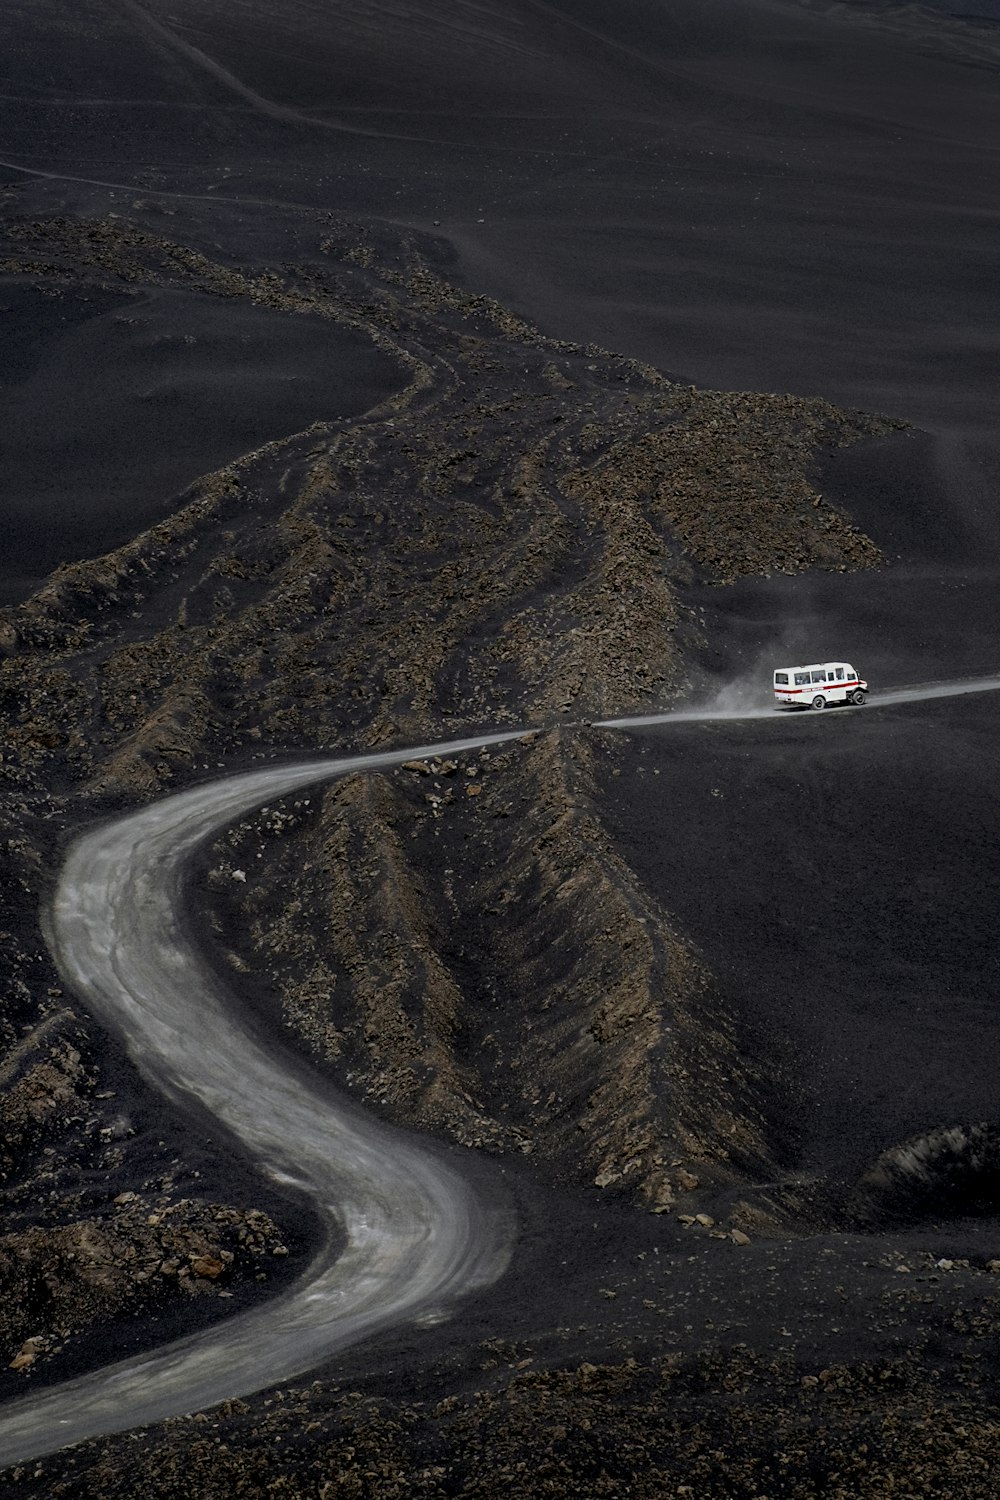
x: 824, y: 687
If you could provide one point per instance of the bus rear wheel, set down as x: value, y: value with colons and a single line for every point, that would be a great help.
x: 819, y: 701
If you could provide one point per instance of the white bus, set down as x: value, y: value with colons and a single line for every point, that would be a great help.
x: 817, y: 685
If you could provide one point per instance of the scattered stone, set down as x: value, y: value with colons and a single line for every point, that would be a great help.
x: 209, y: 1266
x: 29, y: 1351
x: 661, y: 1200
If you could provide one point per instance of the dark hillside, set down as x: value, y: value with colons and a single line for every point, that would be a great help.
x: 372, y: 374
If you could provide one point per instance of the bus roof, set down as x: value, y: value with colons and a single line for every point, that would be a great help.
x: 814, y: 666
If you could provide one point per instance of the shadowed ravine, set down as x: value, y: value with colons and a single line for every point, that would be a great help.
x: 416, y: 1232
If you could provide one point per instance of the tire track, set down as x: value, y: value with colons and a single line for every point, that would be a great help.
x: 203, y: 63
x: 285, y: 114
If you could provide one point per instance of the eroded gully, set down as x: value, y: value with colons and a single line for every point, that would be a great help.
x: 406, y: 1232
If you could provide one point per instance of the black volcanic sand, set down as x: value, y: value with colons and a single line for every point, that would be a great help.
x: 758, y: 197
x: 111, y: 404
x: 766, y: 196
x: 840, y: 873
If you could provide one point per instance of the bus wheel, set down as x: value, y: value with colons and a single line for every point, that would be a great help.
x: 819, y: 701
x: 858, y: 697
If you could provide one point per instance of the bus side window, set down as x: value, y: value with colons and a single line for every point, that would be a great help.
x: 819, y: 677
x: 840, y: 674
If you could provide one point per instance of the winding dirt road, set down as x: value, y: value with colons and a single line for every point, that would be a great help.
x: 406, y: 1233
x: 416, y: 1233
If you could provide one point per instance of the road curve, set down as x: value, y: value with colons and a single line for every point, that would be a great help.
x: 416, y: 1232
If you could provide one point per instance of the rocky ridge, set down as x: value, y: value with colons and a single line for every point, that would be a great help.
x: 503, y: 539
x: 506, y: 539
x: 433, y: 933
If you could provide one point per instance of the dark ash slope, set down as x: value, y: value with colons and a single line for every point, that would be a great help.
x: 421, y: 495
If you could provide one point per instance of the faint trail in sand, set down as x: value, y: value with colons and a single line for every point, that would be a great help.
x: 141, y: 190
x: 284, y: 113
x: 206, y: 64
x: 416, y: 1233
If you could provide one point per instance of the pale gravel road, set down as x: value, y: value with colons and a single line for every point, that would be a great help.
x: 735, y: 703
x: 417, y: 1234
